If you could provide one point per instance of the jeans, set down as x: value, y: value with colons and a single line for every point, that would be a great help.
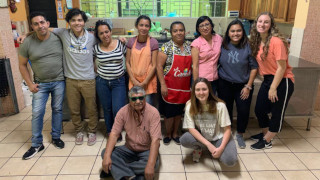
x: 112, y: 96
x: 75, y: 90
x: 39, y: 102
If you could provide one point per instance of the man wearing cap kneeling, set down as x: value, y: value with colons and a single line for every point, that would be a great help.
x: 138, y: 158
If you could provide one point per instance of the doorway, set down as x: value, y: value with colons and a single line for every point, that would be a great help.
x: 46, y: 6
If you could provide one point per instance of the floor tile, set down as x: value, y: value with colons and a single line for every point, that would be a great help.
x: 171, y: 163
x: 172, y: 148
x: 40, y: 177
x: 26, y: 147
x: 27, y: 109
x: 53, y: 151
x: 308, y: 134
x: 72, y: 177
x: 299, y: 145
x: 17, y: 137
x: 186, y: 151
x: 234, y: 176
x: 2, y: 161
x: 24, y: 126
x: 9, y: 125
x: 17, y: 166
x: 202, y: 175
x: 170, y: 176
x: 48, y: 166
x: 277, y: 146
x: 314, y: 142
x: 266, y: 175
x: 298, y: 175
x: 316, y: 173
x: 95, y: 177
x: 204, y: 165
x: 311, y: 160
x: 97, y: 167
x: 47, y: 126
x: 286, y: 161
x: 7, y: 150
x: 19, y: 117
x: 257, y: 162
x: 315, y: 121
x: 12, y: 178
x: 78, y: 165
x: 288, y: 132
x: 297, y: 122
x: 85, y: 150
x: 221, y: 167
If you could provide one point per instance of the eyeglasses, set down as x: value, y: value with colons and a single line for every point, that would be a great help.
x: 141, y: 98
x: 204, y: 26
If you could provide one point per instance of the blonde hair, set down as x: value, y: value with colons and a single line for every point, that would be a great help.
x: 255, y: 38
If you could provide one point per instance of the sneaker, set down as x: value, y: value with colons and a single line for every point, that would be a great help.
x: 176, y: 140
x: 32, y: 152
x: 196, y: 155
x: 241, y: 142
x: 257, y: 137
x: 261, y: 144
x: 58, y: 143
x: 166, y: 140
x: 91, y: 139
x: 79, y: 138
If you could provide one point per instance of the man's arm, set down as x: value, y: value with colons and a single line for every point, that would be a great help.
x: 107, y: 162
x: 153, y: 155
x: 23, y: 62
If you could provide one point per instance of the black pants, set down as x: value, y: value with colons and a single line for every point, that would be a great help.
x: 230, y: 92
x: 277, y: 109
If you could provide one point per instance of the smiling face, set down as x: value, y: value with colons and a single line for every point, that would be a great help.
x: 205, y: 28
x: 76, y: 24
x: 40, y: 25
x: 235, y: 33
x: 143, y: 27
x: 136, y: 103
x: 178, y: 33
x: 263, y: 24
x: 104, y: 34
x: 202, y: 92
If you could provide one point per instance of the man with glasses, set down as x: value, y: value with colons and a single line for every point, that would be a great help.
x: 138, y: 158
x: 45, y: 52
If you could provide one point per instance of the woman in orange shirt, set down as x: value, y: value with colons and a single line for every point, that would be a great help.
x: 271, y: 52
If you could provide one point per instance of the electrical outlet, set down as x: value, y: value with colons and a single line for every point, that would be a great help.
x: 3, y: 3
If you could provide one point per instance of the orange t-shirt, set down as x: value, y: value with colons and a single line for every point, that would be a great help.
x: 277, y: 51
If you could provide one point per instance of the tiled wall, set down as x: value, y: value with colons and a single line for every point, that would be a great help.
x: 311, y: 39
x: 8, y: 50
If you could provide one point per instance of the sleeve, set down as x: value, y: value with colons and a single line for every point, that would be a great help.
x: 155, y: 126
x: 279, y: 49
x: 130, y: 43
x: 223, y: 115
x: 164, y: 48
x: 187, y: 120
x: 196, y: 43
x: 154, y: 44
x: 252, y: 61
x: 59, y: 31
x: 119, y: 121
x: 23, y: 49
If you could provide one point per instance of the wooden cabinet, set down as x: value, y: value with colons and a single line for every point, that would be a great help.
x: 282, y: 10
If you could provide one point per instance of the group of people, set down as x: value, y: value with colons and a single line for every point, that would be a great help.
x: 200, y: 80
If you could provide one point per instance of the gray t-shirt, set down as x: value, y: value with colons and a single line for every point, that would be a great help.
x: 236, y: 64
x: 78, y: 63
x: 46, y: 57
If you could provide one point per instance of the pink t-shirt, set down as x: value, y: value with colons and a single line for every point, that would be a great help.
x: 277, y: 51
x: 208, y: 56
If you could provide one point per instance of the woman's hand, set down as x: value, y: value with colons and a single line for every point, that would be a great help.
x: 272, y: 95
x: 164, y: 90
x: 217, y: 153
x: 211, y: 148
x: 245, y: 92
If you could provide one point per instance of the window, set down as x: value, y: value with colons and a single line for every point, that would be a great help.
x: 154, y: 8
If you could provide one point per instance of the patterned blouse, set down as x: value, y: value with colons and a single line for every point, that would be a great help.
x: 167, y: 49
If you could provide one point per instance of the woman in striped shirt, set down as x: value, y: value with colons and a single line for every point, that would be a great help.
x: 110, y: 82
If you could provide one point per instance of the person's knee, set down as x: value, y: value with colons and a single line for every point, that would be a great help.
x: 230, y: 161
x: 184, y: 138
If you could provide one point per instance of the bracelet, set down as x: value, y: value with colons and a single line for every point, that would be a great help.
x: 248, y: 87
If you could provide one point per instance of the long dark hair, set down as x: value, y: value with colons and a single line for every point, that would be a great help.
x: 199, y: 21
x: 244, y: 39
x: 100, y: 23
x: 196, y: 107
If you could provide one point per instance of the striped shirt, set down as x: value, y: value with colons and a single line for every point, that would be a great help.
x: 110, y: 64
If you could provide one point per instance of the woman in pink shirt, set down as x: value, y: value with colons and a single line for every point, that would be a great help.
x: 205, y: 51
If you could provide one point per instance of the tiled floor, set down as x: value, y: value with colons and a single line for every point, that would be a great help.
x: 295, y: 155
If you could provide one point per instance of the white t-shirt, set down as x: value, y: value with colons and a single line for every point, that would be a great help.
x: 211, y: 126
